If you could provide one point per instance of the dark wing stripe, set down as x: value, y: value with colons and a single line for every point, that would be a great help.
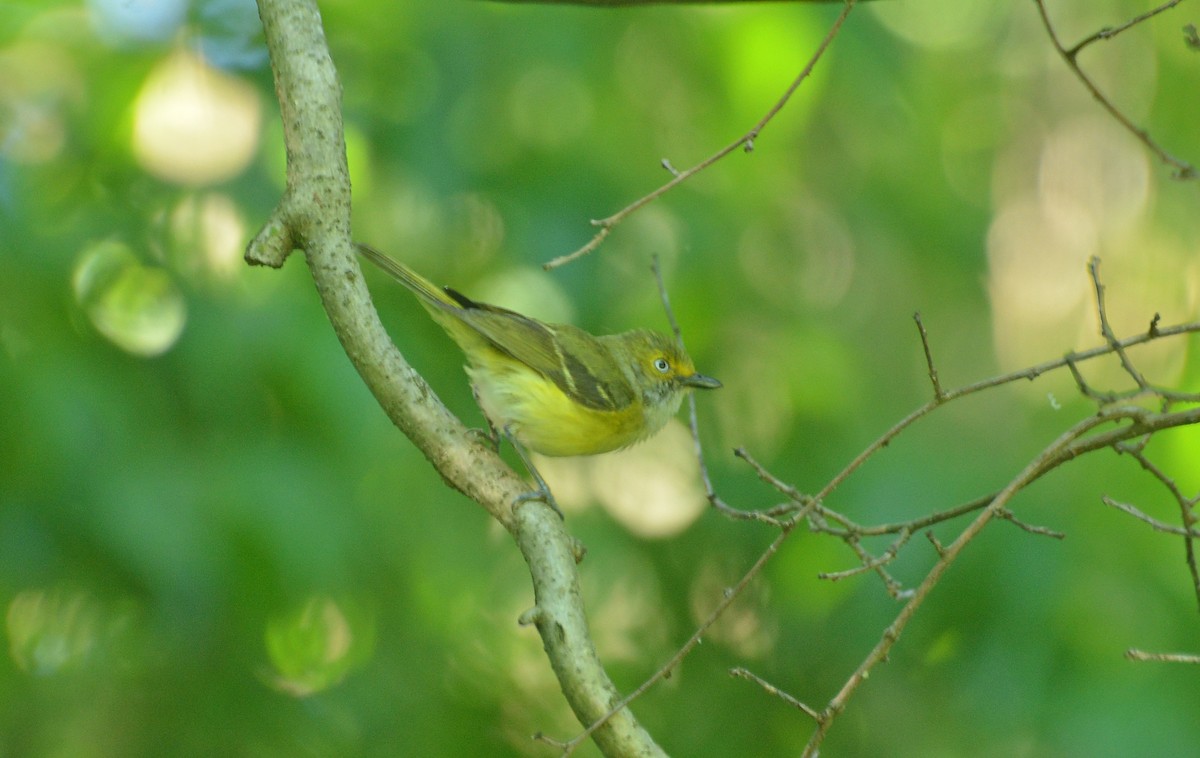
x: 460, y: 298
x: 573, y: 376
x: 585, y: 386
x: 564, y: 371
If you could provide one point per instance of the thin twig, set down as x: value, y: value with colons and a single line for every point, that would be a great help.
x: 771, y: 689
x: 1043, y: 531
x: 1160, y: 526
x: 745, y: 142
x: 1187, y: 506
x: 781, y: 486
x: 1076, y: 441
x: 1085, y: 388
x: 1029, y: 373
x: 666, y: 299
x: 1106, y: 328
x: 849, y: 527
x: 694, y: 421
x: 771, y: 516
x: 1109, y: 32
x: 1134, y: 654
x: 1183, y: 169
x: 871, y: 563
x: 938, y: 393
x: 937, y: 544
x: 894, y: 588
x: 1069, y: 360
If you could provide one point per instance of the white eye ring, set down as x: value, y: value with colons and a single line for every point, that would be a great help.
x: 661, y: 365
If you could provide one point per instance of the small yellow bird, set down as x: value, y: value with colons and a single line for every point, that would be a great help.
x: 553, y: 388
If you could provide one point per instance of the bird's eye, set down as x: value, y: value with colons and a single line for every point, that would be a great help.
x: 661, y: 365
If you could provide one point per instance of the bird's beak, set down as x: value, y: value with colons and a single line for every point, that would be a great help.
x: 700, y: 382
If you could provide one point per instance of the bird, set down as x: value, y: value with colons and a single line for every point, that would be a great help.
x: 556, y: 389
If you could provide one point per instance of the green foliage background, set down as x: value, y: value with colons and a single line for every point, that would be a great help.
x: 213, y: 543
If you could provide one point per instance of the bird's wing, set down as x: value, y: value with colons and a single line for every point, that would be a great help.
x: 577, y: 362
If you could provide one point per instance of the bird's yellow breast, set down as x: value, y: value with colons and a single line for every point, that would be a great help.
x: 545, y: 420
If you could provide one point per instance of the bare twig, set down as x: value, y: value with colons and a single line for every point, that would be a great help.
x: 781, y: 486
x: 937, y: 544
x: 1134, y: 654
x: 891, y: 585
x: 1183, y: 169
x: 1077, y: 441
x: 1160, y: 526
x: 770, y: 689
x: 666, y: 299
x: 1070, y: 361
x: 694, y: 422
x: 870, y: 564
x: 1043, y: 531
x: 1138, y: 424
x: 1030, y: 373
x: 1109, y: 32
x: 1106, y: 329
x: 1085, y: 388
x: 745, y: 142
x: 1187, y: 509
x: 938, y: 393
x: 1138, y: 451
x: 1130, y: 423
x: 774, y: 516
x: 847, y: 527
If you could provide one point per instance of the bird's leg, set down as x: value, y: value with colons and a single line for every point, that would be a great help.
x: 543, y: 491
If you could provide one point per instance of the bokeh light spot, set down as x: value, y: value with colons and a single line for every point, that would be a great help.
x: 209, y: 233
x: 805, y: 258
x: 136, y: 307
x: 1093, y: 163
x: 1037, y: 283
x: 313, y: 647
x: 529, y: 291
x: 51, y: 632
x: 193, y: 124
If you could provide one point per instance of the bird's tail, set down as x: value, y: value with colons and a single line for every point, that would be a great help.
x: 424, y: 289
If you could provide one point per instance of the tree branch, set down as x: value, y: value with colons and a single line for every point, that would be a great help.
x: 314, y: 215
